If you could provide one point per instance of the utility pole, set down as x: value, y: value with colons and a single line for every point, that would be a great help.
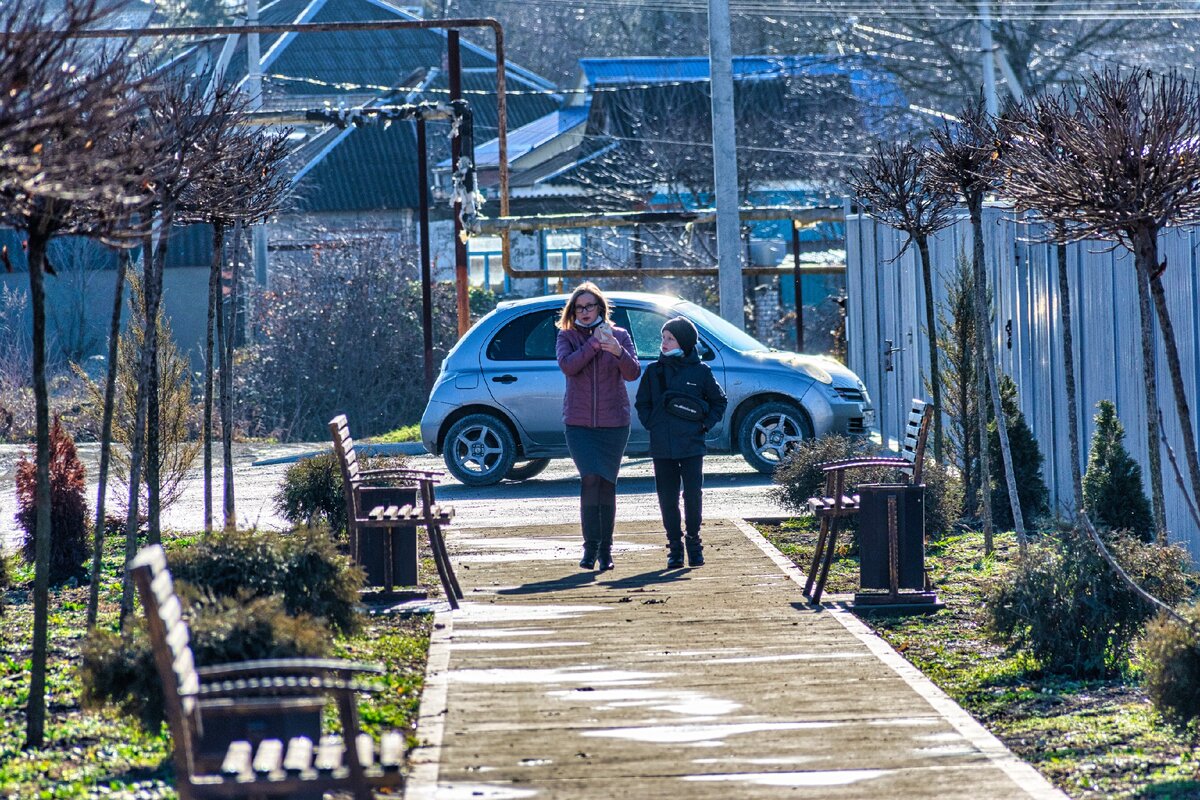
x: 725, y: 181
x: 258, y: 233
x: 989, y: 63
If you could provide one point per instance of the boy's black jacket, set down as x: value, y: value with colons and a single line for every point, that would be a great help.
x: 670, y: 436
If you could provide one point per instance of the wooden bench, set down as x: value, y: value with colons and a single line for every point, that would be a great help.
x: 269, y: 767
x: 360, y: 515
x: 836, y: 504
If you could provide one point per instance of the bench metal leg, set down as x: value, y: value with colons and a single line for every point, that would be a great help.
x: 816, y: 562
x: 830, y: 548
x: 443, y: 567
x: 441, y: 545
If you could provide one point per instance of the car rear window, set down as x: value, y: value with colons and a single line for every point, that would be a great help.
x: 529, y: 337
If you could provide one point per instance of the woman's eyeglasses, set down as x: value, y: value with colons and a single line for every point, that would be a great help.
x: 589, y: 308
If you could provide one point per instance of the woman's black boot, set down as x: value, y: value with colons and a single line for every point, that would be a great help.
x: 589, y: 517
x: 695, y: 550
x: 608, y: 515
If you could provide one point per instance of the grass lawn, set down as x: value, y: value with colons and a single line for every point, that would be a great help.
x: 1092, y: 739
x: 99, y: 753
x: 406, y: 433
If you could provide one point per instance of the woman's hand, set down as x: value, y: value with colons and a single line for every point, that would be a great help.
x: 612, y: 347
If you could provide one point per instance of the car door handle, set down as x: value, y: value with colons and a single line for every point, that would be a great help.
x: 504, y: 379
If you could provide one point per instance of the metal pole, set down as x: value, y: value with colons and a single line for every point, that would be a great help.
x: 426, y: 271
x: 460, y: 247
x: 989, y: 63
x: 725, y: 181
x: 799, y: 291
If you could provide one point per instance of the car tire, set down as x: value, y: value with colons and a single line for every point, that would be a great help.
x: 769, y: 432
x: 479, y: 450
x: 525, y: 470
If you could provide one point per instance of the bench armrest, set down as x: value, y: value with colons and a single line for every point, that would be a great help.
x: 837, y: 466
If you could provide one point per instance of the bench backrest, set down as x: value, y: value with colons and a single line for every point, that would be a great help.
x: 915, y: 433
x: 170, y: 641
x: 343, y: 448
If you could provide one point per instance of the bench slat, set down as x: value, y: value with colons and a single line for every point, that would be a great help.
x: 299, y: 755
x: 391, y: 750
x: 269, y: 758
x: 237, y: 764
x: 329, y: 754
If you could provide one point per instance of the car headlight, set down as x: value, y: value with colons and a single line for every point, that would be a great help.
x: 815, y: 372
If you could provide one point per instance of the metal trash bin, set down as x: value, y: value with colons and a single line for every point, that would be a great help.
x: 891, y: 543
x: 373, y: 544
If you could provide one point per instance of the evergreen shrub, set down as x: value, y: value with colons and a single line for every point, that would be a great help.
x: 1075, y: 616
x: 304, y: 567
x: 1113, y: 494
x: 69, y: 542
x: 1171, y: 665
x: 1026, y: 461
x: 311, y: 492
x: 119, y: 669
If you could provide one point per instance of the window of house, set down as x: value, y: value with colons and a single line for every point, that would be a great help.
x: 484, y: 262
x: 563, y: 250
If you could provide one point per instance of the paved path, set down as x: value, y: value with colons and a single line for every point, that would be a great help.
x: 717, y: 682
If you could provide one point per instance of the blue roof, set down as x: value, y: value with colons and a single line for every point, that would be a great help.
x: 530, y: 137
x: 869, y: 85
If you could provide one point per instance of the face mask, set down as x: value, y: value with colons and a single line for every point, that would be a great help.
x: 676, y: 352
x: 591, y: 324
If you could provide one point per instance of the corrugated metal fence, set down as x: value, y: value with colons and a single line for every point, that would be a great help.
x: 885, y: 305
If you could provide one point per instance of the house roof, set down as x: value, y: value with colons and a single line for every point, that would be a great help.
x: 373, y: 167
x: 529, y: 137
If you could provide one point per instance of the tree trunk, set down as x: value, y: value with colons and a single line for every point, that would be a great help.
x: 35, y: 719
x: 935, y: 377
x: 153, y: 445
x: 1064, y: 307
x: 110, y: 393
x: 1145, y: 259
x: 150, y: 283
x: 226, y: 345
x: 982, y: 324
x: 1182, y: 408
x: 989, y: 364
x: 214, y: 291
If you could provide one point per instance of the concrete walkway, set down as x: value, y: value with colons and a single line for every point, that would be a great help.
x: 716, y: 682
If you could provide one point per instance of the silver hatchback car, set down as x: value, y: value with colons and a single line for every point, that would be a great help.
x: 495, y: 411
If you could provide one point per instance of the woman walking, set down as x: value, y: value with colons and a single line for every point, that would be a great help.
x: 678, y: 402
x: 597, y: 358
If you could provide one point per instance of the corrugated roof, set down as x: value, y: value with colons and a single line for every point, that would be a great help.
x: 530, y: 136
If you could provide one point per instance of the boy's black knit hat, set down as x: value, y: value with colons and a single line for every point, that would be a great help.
x: 684, y: 332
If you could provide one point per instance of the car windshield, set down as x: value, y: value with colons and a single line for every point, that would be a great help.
x: 727, y: 333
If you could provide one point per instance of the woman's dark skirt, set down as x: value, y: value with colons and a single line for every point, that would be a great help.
x: 597, y: 451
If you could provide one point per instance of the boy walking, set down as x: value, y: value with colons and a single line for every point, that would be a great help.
x: 678, y: 402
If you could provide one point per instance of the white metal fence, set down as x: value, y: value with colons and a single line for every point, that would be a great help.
x: 885, y: 306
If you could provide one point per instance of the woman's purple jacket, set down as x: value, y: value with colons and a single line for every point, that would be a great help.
x: 596, y: 396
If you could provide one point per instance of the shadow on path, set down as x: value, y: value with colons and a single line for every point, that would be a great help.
x: 572, y: 581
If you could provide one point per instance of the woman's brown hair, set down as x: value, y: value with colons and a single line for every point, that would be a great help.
x: 566, y: 320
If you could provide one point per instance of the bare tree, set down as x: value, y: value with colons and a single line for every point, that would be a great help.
x: 179, y: 118
x: 963, y: 160
x: 245, y: 184
x: 56, y: 101
x: 895, y: 189
x: 936, y: 56
x: 1118, y: 158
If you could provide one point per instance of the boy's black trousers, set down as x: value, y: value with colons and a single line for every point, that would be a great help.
x: 669, y: 473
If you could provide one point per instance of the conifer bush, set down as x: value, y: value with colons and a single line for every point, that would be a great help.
x: 69, y: 542
x: 1113, y: 494
x: 1026, y: 461
x: 1067, y: 607
x: 1171, y: 665
x: 119, y: 670
x: 303, y: 567
x: 311, y: 492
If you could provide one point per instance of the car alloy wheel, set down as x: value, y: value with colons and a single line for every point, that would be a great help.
x: 770, y: 433
x: 479, y: 450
